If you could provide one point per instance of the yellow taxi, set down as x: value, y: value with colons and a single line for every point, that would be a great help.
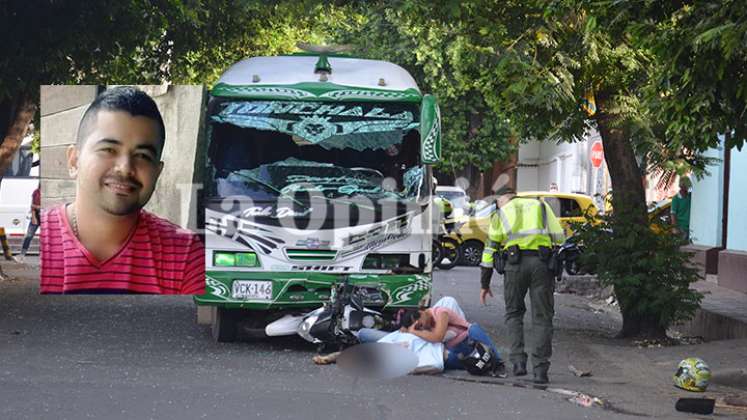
x: 566, y: 206
x: 659, y: 215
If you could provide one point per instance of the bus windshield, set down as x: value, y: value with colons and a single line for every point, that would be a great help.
x: 264, y: 150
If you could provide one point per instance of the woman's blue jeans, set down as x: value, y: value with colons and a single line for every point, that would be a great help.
x: 370, y: 335
x: 475, y: 333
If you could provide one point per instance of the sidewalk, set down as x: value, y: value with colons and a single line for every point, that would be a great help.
x: 723, y: 314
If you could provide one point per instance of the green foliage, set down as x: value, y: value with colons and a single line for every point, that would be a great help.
x: 447, y: 58
x: 36, y: 142
x: 147, y: 42
x: 650, y: 273
x: 699, y: 90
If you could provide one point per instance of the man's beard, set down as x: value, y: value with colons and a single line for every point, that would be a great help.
x: 117, y: 205
x: 122, y: 208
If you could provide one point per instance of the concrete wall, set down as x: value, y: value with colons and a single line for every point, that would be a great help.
x: 61, y: 109
x: 544, y: 163
x: 706, y: 209
x: 737, y: 228
x: 184, y: 152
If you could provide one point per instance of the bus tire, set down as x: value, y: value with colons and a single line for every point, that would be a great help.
x: 223, y: 327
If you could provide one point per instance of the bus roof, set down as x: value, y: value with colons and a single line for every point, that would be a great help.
x: 291, y: 70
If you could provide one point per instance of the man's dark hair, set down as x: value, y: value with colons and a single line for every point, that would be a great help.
x: 121, y: 98
x: 409, y: 318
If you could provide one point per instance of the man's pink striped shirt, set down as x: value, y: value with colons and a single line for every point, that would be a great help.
x: 158, y: 258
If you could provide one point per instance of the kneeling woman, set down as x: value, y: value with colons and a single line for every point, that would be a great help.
x: 441, y: 324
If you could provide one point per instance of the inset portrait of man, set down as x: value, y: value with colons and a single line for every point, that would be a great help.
x: 104, y: 241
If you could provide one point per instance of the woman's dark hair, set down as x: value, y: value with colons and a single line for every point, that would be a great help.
x: 409, y: 317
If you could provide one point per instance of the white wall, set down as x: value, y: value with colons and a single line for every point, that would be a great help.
x: 542, y: 163
x: 706, y: 208
x: 737, y: 229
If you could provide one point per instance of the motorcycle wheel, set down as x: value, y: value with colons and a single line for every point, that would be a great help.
x: 572, y: 268
x: 451, y: 254
x: 472, y: 252
x: 436, y: 254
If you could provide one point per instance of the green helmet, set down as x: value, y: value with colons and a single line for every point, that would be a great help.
x: 692, y: 374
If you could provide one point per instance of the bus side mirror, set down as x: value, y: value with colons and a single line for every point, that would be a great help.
x: 430, y: 130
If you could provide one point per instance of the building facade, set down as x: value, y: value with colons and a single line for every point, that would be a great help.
x: 718, y: 219
x: 565, y: 167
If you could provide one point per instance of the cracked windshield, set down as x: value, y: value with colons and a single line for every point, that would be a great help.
x: 266, y: 150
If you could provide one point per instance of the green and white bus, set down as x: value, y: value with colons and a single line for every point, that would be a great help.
x: 319, y: 167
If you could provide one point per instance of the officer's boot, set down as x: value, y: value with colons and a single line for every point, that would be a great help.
x: 540, y: 375
x: 520, y: 369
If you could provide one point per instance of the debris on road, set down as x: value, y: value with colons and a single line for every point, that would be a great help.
x: 578, y: 372
x: 586, y: 400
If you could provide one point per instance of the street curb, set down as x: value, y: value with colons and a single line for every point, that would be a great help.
x: 574, y: 397
x: 713, y: 326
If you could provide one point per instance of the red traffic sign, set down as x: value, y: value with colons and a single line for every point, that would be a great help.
x: 597, y: 154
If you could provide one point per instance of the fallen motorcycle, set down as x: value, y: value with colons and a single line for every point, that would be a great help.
x: 335, y: 323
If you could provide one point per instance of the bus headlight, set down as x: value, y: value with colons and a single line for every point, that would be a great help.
x: 235, y: 259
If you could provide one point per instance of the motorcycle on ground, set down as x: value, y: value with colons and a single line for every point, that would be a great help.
x: 334, y: 324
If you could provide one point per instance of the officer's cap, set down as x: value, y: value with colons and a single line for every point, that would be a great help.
x: 504, y: 190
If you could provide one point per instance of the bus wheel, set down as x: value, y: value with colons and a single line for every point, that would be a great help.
x: 223, y: 327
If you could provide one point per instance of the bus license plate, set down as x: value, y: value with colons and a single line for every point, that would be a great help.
x: 250, y: 289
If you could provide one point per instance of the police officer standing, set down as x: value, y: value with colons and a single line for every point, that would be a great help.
x: 522, y: 232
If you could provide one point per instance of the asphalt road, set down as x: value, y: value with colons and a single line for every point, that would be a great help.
x: 140, y: 357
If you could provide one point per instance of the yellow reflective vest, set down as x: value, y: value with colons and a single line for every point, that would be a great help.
x: 522, y: 222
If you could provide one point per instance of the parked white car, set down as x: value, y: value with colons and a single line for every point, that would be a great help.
x: 456, y: 196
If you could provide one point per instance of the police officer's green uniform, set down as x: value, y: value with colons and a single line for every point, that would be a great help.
x: 521, y: 225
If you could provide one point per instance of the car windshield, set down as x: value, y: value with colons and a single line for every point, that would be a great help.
x: 265, y: 150
x: 457, y: 198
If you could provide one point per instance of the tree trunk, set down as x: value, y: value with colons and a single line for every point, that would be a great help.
x: 628, y: 193
x: 472, y: 174
x: 502, y: 173
x: 629, y: 203
x: 20, y: 113
x: 507, y: 169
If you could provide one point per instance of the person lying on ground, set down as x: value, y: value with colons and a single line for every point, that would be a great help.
x: 443, y: 323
